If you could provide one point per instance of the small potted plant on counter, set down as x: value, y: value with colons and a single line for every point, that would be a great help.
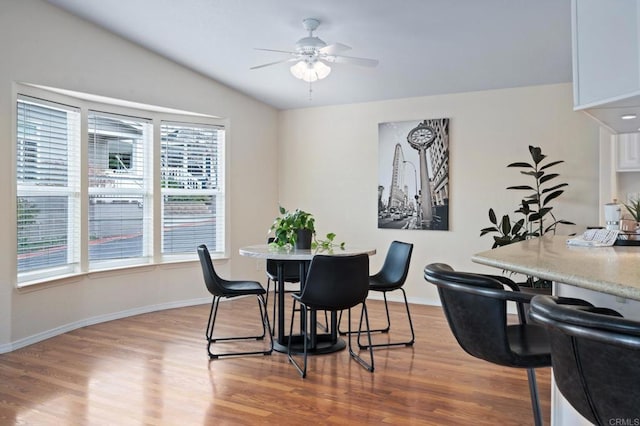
x: 535, y: 209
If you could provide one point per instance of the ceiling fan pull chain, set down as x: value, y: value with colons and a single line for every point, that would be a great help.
x: 310, y: 91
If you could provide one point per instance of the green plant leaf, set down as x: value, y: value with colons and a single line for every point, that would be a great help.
x: 492, y: 217
x: 536, y: 154
x: 517, y: 226
x: 551, y: 196
x: 633, y: 207
x: 548, y: 177
x: 282, y: 210
x: 485, y: 231
x: 553, y: 163
x: 520, y: 164
x: 539, y: 215
x: 506, y: 225
x: 553, y: 188
x: 520, y: 187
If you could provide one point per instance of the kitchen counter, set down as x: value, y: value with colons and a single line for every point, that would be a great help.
x: 605, y: 276
x: 611, y: 270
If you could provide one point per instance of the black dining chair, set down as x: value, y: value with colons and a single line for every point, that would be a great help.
x: 333, y: 284
x: 225, y: 289
x: 475, y: 306
x: 391, y: 277
x: 291, y: 274
x: 595, y: 354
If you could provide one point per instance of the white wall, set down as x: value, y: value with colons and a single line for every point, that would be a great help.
x: 43, y: 45
x: 329, y: 167
x: 320, y: 159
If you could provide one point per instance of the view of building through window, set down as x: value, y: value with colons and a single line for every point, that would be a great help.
x: 192, y: 202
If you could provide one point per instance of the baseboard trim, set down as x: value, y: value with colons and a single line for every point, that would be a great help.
x: 21, y: 343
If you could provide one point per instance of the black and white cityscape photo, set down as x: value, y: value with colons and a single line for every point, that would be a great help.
x: 413, y: 174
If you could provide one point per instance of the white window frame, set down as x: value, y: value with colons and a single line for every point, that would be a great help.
x: 157, y: 115
x: 219, y: 193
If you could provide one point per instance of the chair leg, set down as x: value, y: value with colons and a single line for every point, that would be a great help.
x: 384, y: 330
x: 363, y: 314
x: 386, y: 309
x: 212, y: 318
x: 535, y: 403
x: 266, y: 329
x: 302, y: 370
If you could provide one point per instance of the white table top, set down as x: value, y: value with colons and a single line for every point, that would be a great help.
x: 613, y: 270
x: 265, y: 251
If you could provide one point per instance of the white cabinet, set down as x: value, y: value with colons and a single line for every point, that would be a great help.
x: 606, y: 51
x: 628, y: 147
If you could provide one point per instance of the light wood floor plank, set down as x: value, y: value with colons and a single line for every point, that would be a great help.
x: 153, y: 369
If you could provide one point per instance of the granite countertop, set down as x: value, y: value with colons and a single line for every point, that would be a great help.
x: 612, y: 270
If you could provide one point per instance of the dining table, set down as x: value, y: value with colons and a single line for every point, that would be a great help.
x: 320, y: 343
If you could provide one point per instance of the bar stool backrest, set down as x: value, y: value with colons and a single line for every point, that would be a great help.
x: 596, y: 358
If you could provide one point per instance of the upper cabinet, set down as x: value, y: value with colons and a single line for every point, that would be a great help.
x: 628, y: 152
x: 606, y: 60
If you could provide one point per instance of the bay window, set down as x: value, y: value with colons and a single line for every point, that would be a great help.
x: 56, y: 236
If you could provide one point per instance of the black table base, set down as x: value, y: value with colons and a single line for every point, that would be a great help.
x: 325, y: 344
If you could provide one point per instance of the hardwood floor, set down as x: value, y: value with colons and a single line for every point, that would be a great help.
x: 153, y: 369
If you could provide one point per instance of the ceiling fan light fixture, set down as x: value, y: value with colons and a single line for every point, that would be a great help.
x: 310, y: 72
x: 321, y: 69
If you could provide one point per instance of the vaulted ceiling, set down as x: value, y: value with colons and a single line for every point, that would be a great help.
x: 424, y: 47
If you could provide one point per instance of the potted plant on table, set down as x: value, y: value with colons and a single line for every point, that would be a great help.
x: 297, y: 229
x: 294, y: 228
x: 535, y: 209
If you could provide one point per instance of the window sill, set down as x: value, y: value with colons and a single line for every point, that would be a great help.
x: 40, y: 284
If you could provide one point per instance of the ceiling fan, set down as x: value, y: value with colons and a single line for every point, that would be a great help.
x: 312, y: 56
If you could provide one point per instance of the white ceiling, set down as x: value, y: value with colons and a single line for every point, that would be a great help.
x: 425, y: 47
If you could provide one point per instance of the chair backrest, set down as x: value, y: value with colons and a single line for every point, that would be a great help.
x: 396, y: 264
x: 476, y: 310
x: 336, y: 282
x: 213, y: 282
x: 291, y: 268
x: 596, y: 358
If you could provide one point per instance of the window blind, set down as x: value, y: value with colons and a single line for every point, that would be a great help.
x: 192, y: 173
x: 47, y: 187
x: 119, y: 188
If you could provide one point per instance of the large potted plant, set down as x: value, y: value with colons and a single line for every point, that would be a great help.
x: 534, y: 216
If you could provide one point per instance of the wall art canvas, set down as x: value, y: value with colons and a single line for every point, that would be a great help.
x: 413, y: 174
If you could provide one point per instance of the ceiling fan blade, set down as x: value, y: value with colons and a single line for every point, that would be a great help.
x: 351, y: 60
x: 274, y: 63
x: 334, y: 48
x: 275, y: 50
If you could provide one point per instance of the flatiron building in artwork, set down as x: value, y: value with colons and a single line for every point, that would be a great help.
x: 418, y: 182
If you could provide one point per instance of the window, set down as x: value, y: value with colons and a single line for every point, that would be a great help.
x: 119, y: 188
x: 47, y: 177
x: 192, y: 187
x: 85, y: 201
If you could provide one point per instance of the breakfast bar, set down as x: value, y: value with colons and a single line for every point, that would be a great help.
x: 605, y: 276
